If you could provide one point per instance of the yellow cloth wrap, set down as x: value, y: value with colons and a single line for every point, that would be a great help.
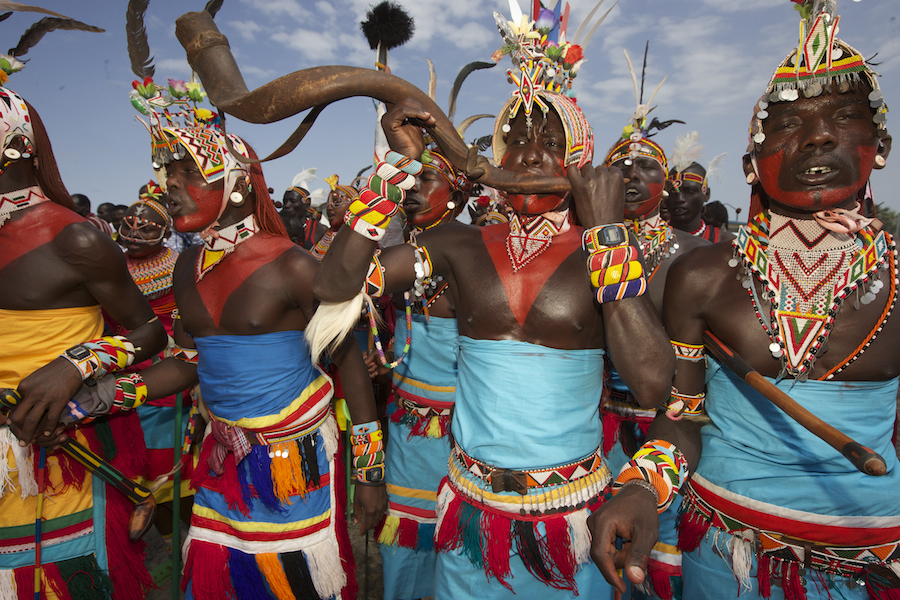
x: 270, y: 566
x: 29, y: 339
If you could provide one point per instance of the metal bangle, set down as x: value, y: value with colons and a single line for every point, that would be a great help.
x: 644, y: 484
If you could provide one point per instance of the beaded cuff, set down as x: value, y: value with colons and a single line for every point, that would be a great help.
x: 97, y: 358
x: 188, y: 355
x: 616, y: 272
x: 368, y: 453
x: 659, y: 463
x: 680, y: 405
x: 690, y: 352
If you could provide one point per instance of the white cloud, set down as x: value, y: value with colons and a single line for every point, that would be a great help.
x: 170, y: 67
x: 246, y: 29
x: 278, y: 8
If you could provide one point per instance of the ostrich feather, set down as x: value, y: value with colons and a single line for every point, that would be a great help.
x: 460, y: 78
x: 37, y: 31
x: 8, y: 6
x: 715, y: 167
x: 138, y: 48
x: 461, y: 128
x: 687, y: 150
x: 303, y: 176
x: 584, y: 23
x: 590, y: 34
x: 5, y: 16
x: 432, y: 80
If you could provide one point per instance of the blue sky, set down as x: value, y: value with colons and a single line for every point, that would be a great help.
x: 718, y: 55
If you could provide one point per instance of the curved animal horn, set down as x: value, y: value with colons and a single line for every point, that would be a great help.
x: 210, y: 56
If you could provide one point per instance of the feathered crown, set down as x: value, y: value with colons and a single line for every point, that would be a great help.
x: 544, y: 65
x: 818, y: 64
x: 635, y: 140
x: 299, y: 183
x: 686, y: 152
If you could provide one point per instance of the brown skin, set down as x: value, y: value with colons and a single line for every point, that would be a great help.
x: 564, y: 315
x: 298, y: 204
x: 81, y: 266
x: 704, y: 294
x: 337, y: 205
x: 276, y: 296
x: 138, y: 249
x: 686, y: 202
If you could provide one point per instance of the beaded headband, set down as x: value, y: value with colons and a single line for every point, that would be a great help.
x: 432, y: 159
x: 544, y: 66
x: 637, y: 145
x: 820, y: 63
x: 351, y: 192
x: 136, y: 222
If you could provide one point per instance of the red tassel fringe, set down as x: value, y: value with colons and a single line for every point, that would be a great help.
x: 763, y: 564
x: 206, y: 568
x: 661, y: 583
x: 131, y: 456
x: 226, y: 484
x: 449, y: 536
x: 129, y: 574
x: 692, y: 526
x: 611, y: 424
x: 340, y: 526
x: 497, y: 544
x: 53, y: 576
x: 408, y: 533
x: 790, y: 581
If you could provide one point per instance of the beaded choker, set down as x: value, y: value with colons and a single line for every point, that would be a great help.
x: 10, y: 202
x: 153, y: 275
x: 529, y: 236
x: 700, y: 230
x: 222, y: 243
x: 808, y: 272
x: 657, y: 241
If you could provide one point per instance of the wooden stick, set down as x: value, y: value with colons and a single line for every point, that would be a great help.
x: 864, y: 459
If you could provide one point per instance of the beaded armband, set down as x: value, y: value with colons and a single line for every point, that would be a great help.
x: 689, y: 352
x: 681, y: 405
x: 97, y: 358
x: 188, y: 355
x: 659, y: 463
x: 368, y: 453
x: 131, y: 392
x: 616, y: 272
x: 374, y: 285
x: 371, y: 213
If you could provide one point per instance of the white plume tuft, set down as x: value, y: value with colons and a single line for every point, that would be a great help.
x: 303, y: 176
x: 715, y: 167
x: 687, y: 150
x: 318, y: 197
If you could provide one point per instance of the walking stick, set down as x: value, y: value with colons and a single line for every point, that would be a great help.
x: 144, y: 502
x: 176, y: 498
x: 866, y: 460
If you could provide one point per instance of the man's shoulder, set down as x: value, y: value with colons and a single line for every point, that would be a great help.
x: 702, y: 265
x: 688, y: 241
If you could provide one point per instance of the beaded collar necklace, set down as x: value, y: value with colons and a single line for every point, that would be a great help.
x: 700, y: 230
x: 153, y: 275
x: 530, y: 235
x: 807, y: 272
x: 222, y: 242
x: 657, y: 241
x: 10, y: 202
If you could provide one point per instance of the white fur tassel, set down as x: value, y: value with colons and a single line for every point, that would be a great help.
x: 7, y: 439
x: 25, y: 465
x: 742, y: 559
x: 325, y: 569
x: 7, y: 585
x: 329, y: 432
x: 581, y: 536
x: 445, y: 495
x: 332, y: 322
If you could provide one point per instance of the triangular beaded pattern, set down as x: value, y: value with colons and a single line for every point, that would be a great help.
x: 217, y: 247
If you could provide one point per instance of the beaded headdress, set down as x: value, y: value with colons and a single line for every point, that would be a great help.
x: 14, y: 119
x: 685, y: 153
x: 544, y: 66
x: 635, y: 140
x: 819, y: 63
x: 350, y: 191
x: 138, y: 221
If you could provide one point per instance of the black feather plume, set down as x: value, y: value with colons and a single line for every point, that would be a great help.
x: 388, y: 24
x: 5, y: 16
x: 34, y: 33
x: 138, y: 48
x: 484, y: 142
x: 213, y: 6
x: 644, y: 71
x: 463, y: 73
x: 660, y: 125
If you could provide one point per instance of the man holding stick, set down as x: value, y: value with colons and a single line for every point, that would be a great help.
x: 783, y: 508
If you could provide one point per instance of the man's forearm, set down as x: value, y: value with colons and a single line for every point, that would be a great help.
x: 344, y: 267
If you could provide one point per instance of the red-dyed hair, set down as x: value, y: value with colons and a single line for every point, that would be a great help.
x: 266, y: 214
x: 47, y: 174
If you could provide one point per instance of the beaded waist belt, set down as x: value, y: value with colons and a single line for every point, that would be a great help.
x: 842, y: 560
x: 420, y: 409
x: 556, y: 490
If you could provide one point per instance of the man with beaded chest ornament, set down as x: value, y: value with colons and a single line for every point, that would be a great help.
x: 57, y: 272
x: 267, y: 511
x: 788, y: 513
x: 644, y: 163
x: 526, y: 467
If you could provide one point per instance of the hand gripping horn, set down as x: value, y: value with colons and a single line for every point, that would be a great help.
x: 210, y: 56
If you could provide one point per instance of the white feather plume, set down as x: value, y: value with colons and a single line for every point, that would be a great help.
x: 332, y: 322
x: 318, y: 197
x: 687, y: 150
x: 714, y: 168
x: 303, y: 176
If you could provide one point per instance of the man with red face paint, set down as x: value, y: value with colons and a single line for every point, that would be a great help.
x: 423, y: 389
x: 526, y: 466
x: 57, y: 272
x: 689, y: 190
x: 791, y: 516
x: 267, y: 511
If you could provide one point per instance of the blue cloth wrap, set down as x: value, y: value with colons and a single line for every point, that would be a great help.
x: 248, y: 376
x: 431, y: 358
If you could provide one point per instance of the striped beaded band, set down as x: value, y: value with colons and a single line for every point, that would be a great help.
x: 620, y: 291
x: 107, y: 354
x: 374, y: 285
x: 131, y: 392
x: 680, y: 405
x: 188, y: 355
x: 660, y: 463
x: 631, y: 149
x: 689, y: 352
